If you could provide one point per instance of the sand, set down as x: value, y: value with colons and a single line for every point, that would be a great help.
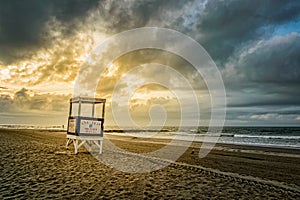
x: 36, y: 165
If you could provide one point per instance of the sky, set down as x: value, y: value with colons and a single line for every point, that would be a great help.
x: 255, y: 45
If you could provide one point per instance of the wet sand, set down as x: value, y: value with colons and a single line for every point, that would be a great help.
x: 36, y: 165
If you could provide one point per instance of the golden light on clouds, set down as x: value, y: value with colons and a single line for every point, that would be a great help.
x: 41, y: 81
x: 123, y: 75
x: 44, y: 80
x: 49, y: 76
x: 5, y: 74
x: 145, y: 99
x: 56, y: 63
x: 111, y: 70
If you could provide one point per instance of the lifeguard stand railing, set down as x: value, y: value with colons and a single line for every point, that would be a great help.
x: 85, y: 122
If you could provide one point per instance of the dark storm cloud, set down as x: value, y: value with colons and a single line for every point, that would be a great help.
x: 119, y: 16
x: 22, y: 23
x: 260, y: 100
x: 226, y: 25
x: 269, y: 74
x: 221, y: 26
x: 274, y: 61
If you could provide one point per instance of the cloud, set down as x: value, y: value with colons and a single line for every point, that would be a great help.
x: 121, y: 66
x: 23, y: 24
x: 5, y: 103
x: 265, y: 74
x: 59, y: 62
x: 226, y: 26
x: 272, y: 61
x: 263, y: 116
x: 115, y: 16
x: 57, y: 30
x: 26, y: 100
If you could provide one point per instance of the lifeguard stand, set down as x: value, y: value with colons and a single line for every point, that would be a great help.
x: 85, y: 122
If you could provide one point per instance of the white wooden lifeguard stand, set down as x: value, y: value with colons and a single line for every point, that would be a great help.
x: 85, y: 126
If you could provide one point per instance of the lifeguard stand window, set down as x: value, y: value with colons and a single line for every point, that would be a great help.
x: 74, y: 111
x: 87, y: 110
x: 98, y: 110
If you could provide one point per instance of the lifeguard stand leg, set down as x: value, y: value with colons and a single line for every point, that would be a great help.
x: 68, y: 141
x: 100, y: 151
x: 99, y: 144
x: 76, y: 146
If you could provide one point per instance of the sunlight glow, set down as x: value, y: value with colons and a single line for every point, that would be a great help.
x: 5, y: 74
x: 111, y: 70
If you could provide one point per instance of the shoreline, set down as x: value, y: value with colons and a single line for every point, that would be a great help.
x: 147, y: 140
x: 217, y: 143
x: 267, y: 150
x: 167, y: 137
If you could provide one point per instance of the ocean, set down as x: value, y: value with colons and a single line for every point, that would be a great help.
x: 288, y: 137
x: 263, y: 136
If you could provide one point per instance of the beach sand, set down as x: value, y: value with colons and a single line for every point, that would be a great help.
x: 36, y: 165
